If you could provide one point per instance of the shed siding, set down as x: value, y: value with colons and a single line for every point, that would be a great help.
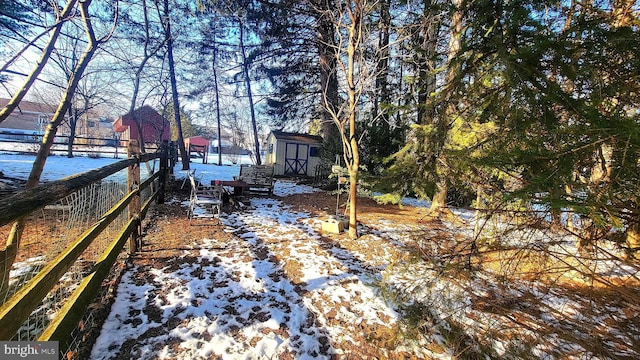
x: 276, y: 153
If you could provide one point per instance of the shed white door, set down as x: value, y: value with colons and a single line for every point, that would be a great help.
x: 296, y: 159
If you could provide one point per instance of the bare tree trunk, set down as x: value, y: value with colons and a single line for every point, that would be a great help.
x: 138, y: 73
x: 174, y: 86
x: 42, y: 61
x: 72, y: 121
x: 623, y: 16
x: 382, y: 65
x: 477, y: 228
x: 380, y: 129
x: 439, y: 200
x: 215, y: 84
x: 345, y: 118
x: 352, y: 155
x: 570, y: 225
x: 633, y: 240
x: 8, y: 256
x: 247, y: 80
x: 58, y: 117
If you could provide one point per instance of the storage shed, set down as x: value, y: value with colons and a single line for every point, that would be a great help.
x: 198, y: 147
x: 293, y: 153
x: 154, y: 127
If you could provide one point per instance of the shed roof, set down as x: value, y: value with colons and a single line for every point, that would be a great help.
x: 281, y: 135
x: 197, y: 140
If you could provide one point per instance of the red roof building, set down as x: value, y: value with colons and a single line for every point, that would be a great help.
x: 155, y: 128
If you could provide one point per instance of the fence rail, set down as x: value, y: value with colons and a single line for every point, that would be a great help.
x: 17, y: 308
x: 27, y: 142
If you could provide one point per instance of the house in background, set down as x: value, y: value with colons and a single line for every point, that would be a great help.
x: 293, y: 153
x: 231, y: 143
x: 101, y: 128
x: 155, y: 128
x: 211, y: 132
x: 29, y: 118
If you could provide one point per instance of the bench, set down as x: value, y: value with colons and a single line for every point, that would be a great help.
x: 257, y: 177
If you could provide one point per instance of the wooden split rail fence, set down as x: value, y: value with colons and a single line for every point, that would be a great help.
x: 17, y: 309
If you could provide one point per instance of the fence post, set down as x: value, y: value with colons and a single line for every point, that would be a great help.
x: 133, y: 182
x: 173, y: 156
x: 164, y: 164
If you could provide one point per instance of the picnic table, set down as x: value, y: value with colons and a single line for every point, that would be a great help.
x: 238, y: 186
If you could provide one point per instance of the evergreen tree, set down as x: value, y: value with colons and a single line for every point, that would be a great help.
x: 188, y: 128
x: 561, y: 83
x: 427, y: 165
x: 290, y: 53
x: 382, y: 134
x: 14, y: 20
x: 299, y: 59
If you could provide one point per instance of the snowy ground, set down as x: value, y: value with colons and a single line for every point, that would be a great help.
x: 268, y: 284
x: 236, y: 301
x: 57, y: 167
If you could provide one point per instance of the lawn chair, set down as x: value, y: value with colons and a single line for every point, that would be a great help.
x: 189, y: 173
x: 204, y: 197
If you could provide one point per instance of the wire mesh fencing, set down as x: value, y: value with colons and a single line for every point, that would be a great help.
x: 47, y: 233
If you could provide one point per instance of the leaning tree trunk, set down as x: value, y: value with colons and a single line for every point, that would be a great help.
x: 42, y: 61
x: 8, y: 255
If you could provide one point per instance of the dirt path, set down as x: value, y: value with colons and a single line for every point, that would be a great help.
x: 259, y: 282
